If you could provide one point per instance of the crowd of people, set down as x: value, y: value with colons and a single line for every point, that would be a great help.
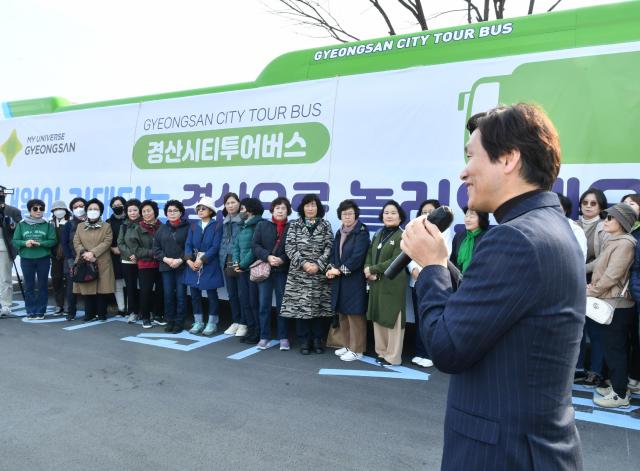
x: 314, y: 274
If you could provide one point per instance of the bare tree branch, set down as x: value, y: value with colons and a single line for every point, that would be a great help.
x: 475, y: 9
x: 498, y: 7
x: 554, y: 5
x: 531, y: 5
x: 486, y: 10
x: 378, y: 7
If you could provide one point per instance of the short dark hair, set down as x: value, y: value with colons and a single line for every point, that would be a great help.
x: 635, y: 197
x: 483, y: 218
x: 253, y: 205
x: 308, y: 198
x: 133, y: 202
x: 153, y: 205
x: 403, y: 215
x: 75, y: 200
x: 433, y: 202
x: 600, y: 198
x: 472, y: 124
x: 566, y: 204
x: 281, y: 200
x: 526, y: 128
x: 117, y: 198
x: 35, y: 202
x: 175, y: 203
x: 348, y: 204
x: 231, y: 194
x: 95, y: 201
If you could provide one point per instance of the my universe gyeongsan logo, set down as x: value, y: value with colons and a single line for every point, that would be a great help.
x: 11, y: 147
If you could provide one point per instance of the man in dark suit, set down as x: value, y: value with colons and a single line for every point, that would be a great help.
x: 510, y: 334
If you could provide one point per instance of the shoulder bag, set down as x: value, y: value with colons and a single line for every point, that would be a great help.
x: 600, y: 310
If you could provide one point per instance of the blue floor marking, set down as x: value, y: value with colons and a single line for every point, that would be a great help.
x: 251, y: 351
x: 92, y: 323
x: 171, y: 340
x: 389, y: 372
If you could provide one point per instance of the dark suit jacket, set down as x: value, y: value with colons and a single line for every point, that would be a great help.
x: 510, y: 338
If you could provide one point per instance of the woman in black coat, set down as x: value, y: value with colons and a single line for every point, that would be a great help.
x: 348, y: 286
x: 116, y: 219
x: 268, y: 245
x: 465, y: 242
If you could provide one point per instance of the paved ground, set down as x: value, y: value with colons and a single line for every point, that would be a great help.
x: 87, y: 399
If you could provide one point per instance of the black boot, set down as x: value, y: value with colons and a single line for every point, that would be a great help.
x: 317, y: 346
x: 169, y: 327
x: 71, y: 316
x: 177, y: 328
x: 305, y: 348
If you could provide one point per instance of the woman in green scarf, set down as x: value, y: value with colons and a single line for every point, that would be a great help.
x: 465, y: 242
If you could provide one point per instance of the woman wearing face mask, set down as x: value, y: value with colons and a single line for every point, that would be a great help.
x: 251, y: 210
x: 348, y: 288
x: 476, y: 224
x: 592, y: 203
x: 140, y: 239
x: 387, y: 297
x: 77, y: 207
x: 116, y: 219
x: 307, y: 294
x: 608, y: 282
x: 92, y: 243
x: 169, y: 249
x: 203, y: 271
x: 128, y: 259
x: 33, y: 239
x: 230, y: 228
x: 268, y: 245
x: 60, y: 216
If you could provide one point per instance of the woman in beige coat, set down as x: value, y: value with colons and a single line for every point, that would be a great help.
x: 92, y: 243
x: 609, y: 282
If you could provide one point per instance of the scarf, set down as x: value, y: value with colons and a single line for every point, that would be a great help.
x: 635, y: 226
x: 465, y: 251
x: 280, y: 225
x: 311, y: 224
x: 119, y: 216
x: 344, y: 233
x: 588, y: 222
x: 175, y: 223
x: 33, y: 221
x: 149, y: 228
x: 92, y: 225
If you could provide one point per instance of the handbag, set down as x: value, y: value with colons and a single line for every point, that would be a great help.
x: 260, y: 271
x: 229, y: 268
x: 84, y: 272
x: 600, y: 310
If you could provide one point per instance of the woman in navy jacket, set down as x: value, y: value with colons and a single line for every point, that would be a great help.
x: 348, y: 287
x: 203, y: 272
x: 268, y: 246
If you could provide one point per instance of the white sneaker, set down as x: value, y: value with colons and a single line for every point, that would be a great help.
x: 612, y: 400
x: 351, y: 356
x: 417, y: 360
x: 425, y: 363
x: 233, y: 328
x: 5, y: 311
x: 341, y: 351
x: 634, y: 385
x: 242, y: 330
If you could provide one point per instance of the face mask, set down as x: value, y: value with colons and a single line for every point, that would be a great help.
x: 59, y: 213
x: 118, y: 210
x: 243, y: 216
x: 93, y: 214
x: 78, y: 212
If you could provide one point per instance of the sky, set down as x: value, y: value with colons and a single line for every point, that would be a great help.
x: 88, y: 51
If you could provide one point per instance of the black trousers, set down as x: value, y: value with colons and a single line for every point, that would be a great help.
x: 58, y: 280
x: 130, y: 275
x: 616, y: 340
x: 151, y: 293
x: 95, y: 305
x: 72, y: 298
x: 311, y: 329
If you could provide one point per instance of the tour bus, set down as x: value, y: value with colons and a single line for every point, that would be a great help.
x: 373, y: 120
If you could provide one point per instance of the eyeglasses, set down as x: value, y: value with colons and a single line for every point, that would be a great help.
x: 589, y: 203
x: 37, y: 208
x: 348, y: 213
x: 173, y: 211
x: 201, y: 208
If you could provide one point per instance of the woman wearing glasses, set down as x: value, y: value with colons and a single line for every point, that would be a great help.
x: 203, y: 271
x: 609, y: 282
x: 592, y: 203
x: 33, y: 239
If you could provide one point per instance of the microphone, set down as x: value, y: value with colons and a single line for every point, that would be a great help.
x: 442, y: 217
